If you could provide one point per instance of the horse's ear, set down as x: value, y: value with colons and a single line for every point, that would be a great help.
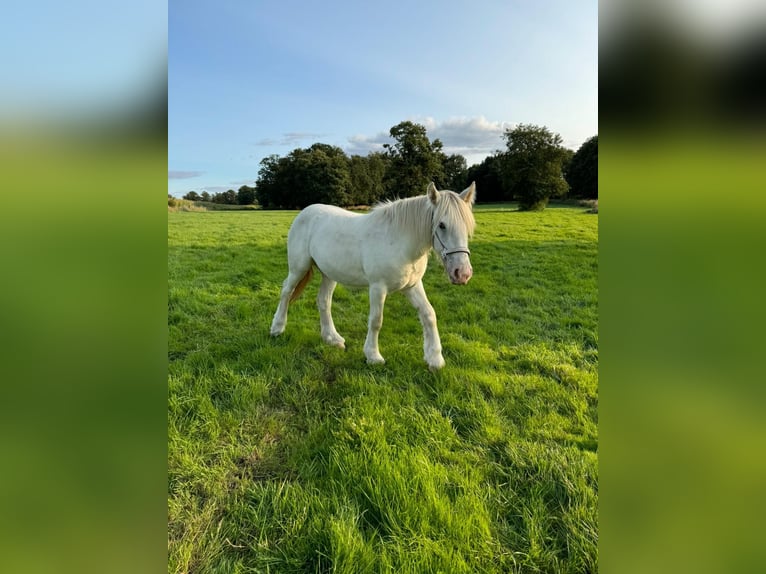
x: 432, y: 193
x: 469, y: 194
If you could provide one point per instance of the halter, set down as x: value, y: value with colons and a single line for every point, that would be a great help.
x: 445, y: 252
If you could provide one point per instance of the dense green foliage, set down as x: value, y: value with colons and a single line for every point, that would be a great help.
x: 532, y: 166
x: 489, y: 180
x: 287, y: 455
x: 246, y: 195
x: 367, y: 173
x: 454, y: 173
x: 317, y: 174
x: 582, y: 172
x: 228, y: 197
x: 414, y: 161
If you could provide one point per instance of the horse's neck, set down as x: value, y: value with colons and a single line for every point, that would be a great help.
x: 410, y: 222
x: 417, y: 247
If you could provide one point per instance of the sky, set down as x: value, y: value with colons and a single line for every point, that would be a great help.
x: 248, y: 79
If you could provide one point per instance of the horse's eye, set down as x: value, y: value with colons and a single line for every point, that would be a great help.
x: 441, y: 225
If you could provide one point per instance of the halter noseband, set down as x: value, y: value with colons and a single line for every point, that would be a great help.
x: 445, y: 252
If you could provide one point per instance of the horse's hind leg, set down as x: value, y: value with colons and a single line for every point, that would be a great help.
x: 324, y: 302
x: 298, y: 276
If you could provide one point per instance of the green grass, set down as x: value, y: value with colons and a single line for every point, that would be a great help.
x: 287, y: 455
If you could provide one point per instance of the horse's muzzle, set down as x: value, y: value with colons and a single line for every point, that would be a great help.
x: 460, y: 275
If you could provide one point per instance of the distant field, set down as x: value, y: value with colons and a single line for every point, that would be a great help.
x: 187, y: 205
x: 287, y: 455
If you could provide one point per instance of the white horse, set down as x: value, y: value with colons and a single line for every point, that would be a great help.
x: 387, y: 250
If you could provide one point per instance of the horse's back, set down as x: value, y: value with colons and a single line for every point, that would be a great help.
x: 318, y: 218
x: 321, y: 210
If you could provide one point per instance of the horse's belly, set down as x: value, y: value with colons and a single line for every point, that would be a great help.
x: 393, y: 271
x: 340, y: 259
x: 341, y: 269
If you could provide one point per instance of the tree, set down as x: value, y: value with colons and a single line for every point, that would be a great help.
x: 489, y: 181
x: 367, y: 177
x: 566, y: 161
x: 582, y: 174
x: 227, y: 197
x: 246, y: 195
x: 532, y: 166
x: 192, y: 196
x: 455, y: 172
x: 414, y: 161
x: 318, y: 174
x: 267, y: 186
x: 205, y: 196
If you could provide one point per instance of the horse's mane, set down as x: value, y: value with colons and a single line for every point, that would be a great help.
x: 417, y: 214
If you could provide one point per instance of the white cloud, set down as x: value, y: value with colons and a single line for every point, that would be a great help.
x: 467, y: 136
x: 290, y: 139
x: 181, y: 174
x: 474, y: 138
x: 362, y: 145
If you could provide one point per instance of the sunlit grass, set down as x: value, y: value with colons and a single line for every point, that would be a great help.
x: 286, y: 455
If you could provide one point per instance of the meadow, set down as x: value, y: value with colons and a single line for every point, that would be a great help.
x: 287, y: 455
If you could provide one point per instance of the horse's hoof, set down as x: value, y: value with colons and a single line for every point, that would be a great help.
x: 375, y: 360
x: 436, y: 365
x: 338, y: 342
x: 277, y: 328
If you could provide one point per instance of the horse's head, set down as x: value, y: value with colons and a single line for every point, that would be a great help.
x: 451, y: 226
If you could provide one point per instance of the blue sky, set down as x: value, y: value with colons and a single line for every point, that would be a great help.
x: 252, y: 78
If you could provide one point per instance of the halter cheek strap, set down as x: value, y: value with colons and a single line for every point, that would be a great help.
x: 445, y: 251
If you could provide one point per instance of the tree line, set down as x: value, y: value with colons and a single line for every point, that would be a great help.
x: 245, y: 196
x: 533, y: 168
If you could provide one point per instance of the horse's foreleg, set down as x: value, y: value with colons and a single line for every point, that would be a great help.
x: 324, y: 302
x: 377, y: 300
x: 432, y: 346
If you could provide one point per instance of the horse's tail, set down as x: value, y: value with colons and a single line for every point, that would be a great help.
x: 302, y: 284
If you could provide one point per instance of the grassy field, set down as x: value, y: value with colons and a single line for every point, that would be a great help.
x: 286, y: 455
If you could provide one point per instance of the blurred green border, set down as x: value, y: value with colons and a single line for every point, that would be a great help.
x: 83, y: 239
x: 681, y: 313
